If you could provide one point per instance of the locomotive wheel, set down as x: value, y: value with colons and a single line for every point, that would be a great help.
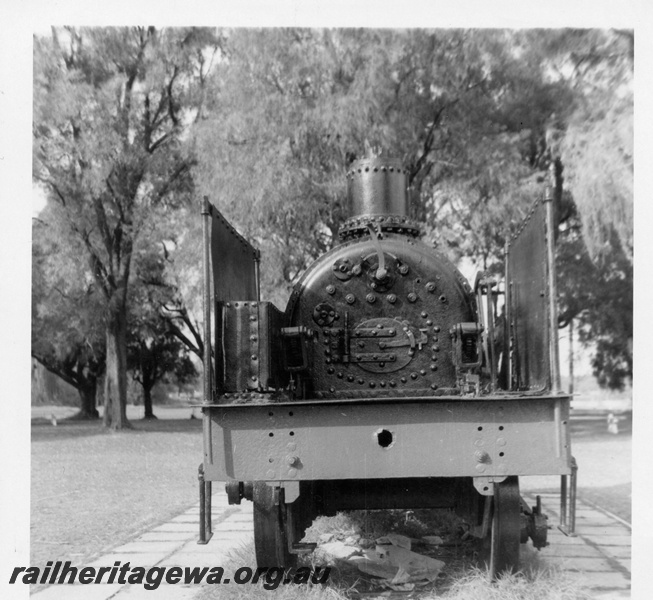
x: 270, y: 538
x: 505, y: 535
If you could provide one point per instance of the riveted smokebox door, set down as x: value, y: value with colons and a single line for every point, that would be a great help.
x: 251, y: 338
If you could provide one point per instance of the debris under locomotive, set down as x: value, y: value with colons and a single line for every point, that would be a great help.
x: 388, y: 381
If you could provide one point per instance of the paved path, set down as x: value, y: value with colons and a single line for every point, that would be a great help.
x: 599, y: 556
x: 173, y: 544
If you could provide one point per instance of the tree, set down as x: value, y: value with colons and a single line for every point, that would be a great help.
x: 111, y: 107
x: 597, y: 294
x: 478, y: 117
x: 154, y: 355
x: 66, y: 317
x: 292, y: 108
x: 157, y: 348
x: 594, y: 138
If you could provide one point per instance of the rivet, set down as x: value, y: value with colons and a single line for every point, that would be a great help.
x: 331, y: 289
x: 331, y: 370
x: 254, y: 377
x: 423, y: 371
x: 393, y: 383
x: 424, y: 315
x: 403, y: 269
x: 391, y: 298
x: 481, y: 456
x: 434, y: 386
x: 361, y: 380
x: 332, y: 389
x: 443, y: 299
x: 340, y: 375
x: 373, y: 285
x: 252, y: 337
x: 350, y: 378
x: 371, y: 298
x: 252, y: 318
x: 434, y: 367
x: 350, y: 298
x: 372, y: 384
x: 412, y: 297
x: 382, y: 384
x: 436, y: 329
x: 430, y: 286
x: 404, y: 380
x: 413, y: 375
x: 429, y: 322
x: 254, y: 357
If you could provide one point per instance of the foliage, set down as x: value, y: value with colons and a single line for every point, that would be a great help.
x: 67, y: 329
x: 154, y: 352
x: 598, y: 295
x: 595, y: 140
x: 111, y: 107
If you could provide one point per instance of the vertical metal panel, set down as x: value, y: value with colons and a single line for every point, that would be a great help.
x: 252, y: 346
x: 206, y: 308
x: 234, y: 262
x: 529, y: 289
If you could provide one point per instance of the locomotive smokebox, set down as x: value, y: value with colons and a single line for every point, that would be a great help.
x: 377, y: 186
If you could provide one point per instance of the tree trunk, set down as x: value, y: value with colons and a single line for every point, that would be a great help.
x: 147, y: 402
x: 87, y: 395
x: 115, y: 381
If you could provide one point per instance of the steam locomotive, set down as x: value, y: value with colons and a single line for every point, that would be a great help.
x: 388, y: 381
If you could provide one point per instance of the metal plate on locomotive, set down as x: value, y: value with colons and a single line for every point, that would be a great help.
x: 384, y: 345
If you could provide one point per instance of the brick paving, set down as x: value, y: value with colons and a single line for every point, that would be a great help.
x: 598, y: 556
x: 173, y: 544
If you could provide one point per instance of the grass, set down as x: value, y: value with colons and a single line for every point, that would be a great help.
x: 92, y: 490
x: 460, y: 580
